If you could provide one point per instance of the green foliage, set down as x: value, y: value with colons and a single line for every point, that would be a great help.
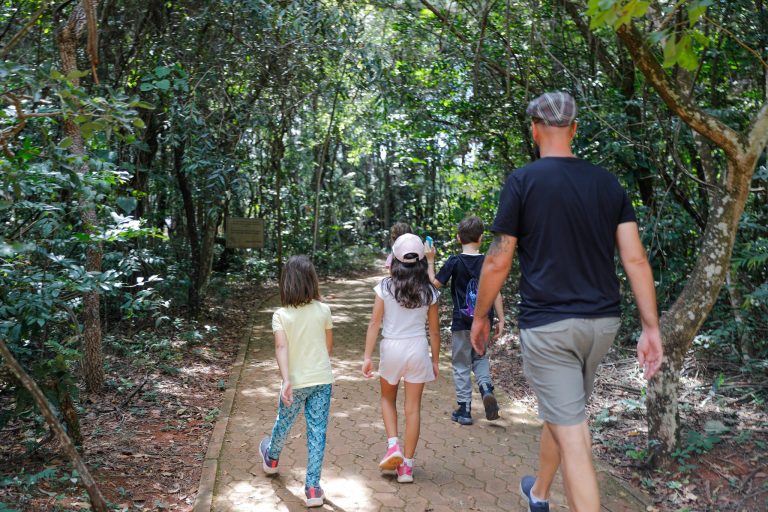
x: 354, y: 114
x: 696, y: 443
x: 680, y: 43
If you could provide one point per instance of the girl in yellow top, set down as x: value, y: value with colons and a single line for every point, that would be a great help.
x: 303, y: 343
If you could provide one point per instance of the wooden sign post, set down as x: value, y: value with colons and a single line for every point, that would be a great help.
x: 244, y: 233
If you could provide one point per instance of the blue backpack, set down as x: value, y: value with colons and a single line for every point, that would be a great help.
x: 470, y: 294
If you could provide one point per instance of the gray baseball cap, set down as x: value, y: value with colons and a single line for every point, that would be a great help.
x: 553, y: 108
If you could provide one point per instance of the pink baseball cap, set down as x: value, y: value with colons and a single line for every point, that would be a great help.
x: 408, y: 248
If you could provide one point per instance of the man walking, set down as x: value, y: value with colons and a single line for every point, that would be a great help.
x: 566, y: 217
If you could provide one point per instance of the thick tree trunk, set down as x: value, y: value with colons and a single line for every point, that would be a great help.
x: 93, y: 359
x: 683, y: 320
x: 97, y: 500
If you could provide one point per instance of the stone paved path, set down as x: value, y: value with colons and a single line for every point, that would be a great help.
x: 457, y: 468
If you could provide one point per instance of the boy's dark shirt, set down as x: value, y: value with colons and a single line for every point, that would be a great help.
x: 564, y: 213
x: 460, y: 275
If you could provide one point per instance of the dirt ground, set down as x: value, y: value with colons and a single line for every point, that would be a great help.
x: 146, y: 452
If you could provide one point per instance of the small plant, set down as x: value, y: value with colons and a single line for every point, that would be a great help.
x: 632, y: 405
x: 696, y: 443
x: 27, y: 481
x: 170, y: 370
x: 192, y: 337
x: 637, y: 455
x: 604, y: 419
x: 212, y: 415
x: 743, y: 436
x: 674, y: 484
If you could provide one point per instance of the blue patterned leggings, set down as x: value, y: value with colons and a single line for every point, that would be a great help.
x: 316, y: 401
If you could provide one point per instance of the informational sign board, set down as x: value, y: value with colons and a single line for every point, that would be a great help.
x: 244, y: 233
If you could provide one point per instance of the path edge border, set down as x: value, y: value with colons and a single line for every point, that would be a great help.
x: 210, y: 469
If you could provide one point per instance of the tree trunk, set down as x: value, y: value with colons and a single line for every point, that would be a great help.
x: 93, y: 359
x: 683, y: 320
x: 277, y: 151
x: 387, y: 192
x: 321, y: 169
x: 144, y: 162
x: 68, y: 412
x: 207, y: 246
x: 736, y: 299
x: 193, y: 293
x: 97, y: 500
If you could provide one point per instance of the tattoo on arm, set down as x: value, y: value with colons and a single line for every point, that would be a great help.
x: 499, y: 245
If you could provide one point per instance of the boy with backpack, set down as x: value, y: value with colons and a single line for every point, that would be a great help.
x: 463, y: 270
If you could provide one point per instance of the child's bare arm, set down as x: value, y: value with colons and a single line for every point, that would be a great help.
x: 498, y: 306
x: 433, y: 318
x: 329, y: 340
x: 281, y: 353
x: 430, y: 252
x: 373, y: 333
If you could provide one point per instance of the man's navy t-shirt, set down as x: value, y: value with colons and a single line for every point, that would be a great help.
x: 460, y: 270
x: 564, y: 213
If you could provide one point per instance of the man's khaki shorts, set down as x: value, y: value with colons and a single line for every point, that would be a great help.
x: 560, y: 360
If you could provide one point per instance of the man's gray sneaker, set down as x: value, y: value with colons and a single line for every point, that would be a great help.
x: 526, y: 484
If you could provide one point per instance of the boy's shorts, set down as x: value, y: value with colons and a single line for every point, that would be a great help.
x: 560, y: 360
x: 406, y: 358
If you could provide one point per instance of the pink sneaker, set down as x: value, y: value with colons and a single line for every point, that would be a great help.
x: 392, y: 459
x: 405, y: 474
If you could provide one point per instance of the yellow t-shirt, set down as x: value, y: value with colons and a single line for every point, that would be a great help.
x: 305, y: 326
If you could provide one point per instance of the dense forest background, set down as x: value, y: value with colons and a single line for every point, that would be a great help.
x: 130, y: 131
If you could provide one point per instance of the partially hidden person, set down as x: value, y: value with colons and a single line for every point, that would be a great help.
x: 463, y: 271
x: 405, y: 302
x: 397, y: 229
x: 566, y: 218
x: 303, y: 330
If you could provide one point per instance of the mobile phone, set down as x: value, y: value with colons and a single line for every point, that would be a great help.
x: 429, y: 241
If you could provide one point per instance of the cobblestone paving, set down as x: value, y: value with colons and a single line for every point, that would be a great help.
x: 476, y: 468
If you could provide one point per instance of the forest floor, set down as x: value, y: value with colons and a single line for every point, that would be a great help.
x: 146, y: 445
x: 145, y: 451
